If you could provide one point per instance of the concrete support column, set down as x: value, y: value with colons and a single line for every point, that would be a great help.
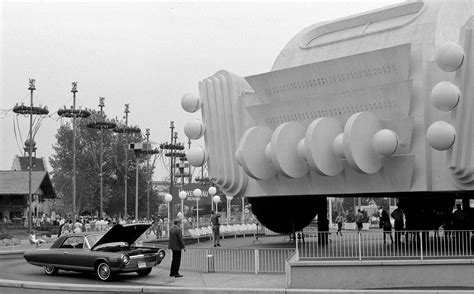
x: 323, y: 223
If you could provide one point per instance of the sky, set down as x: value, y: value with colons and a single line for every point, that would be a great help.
x: 145, y: 54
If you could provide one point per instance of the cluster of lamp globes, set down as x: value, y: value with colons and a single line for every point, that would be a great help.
x: 445, y: 96
x: 197, y: 193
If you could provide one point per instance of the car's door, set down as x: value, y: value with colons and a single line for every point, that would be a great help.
x: 72, y: 253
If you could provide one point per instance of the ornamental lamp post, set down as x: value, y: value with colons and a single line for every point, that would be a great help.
x: 212, y: 191
x: 125, y: 129
x: 101, y: 124
x: 168, y: 199
x: 243, y: 210
x: 197, y: 193
x: 182, y: 195
x: 216, y: 200
x: 30, y: 143
x: 229, y: 208
x: 80, y: 113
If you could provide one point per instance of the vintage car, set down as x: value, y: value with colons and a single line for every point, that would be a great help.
x: 105, y: 253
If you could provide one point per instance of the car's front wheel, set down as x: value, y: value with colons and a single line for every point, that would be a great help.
x: 144, y: 272
x: 103, y: 271
x: 50, y: 270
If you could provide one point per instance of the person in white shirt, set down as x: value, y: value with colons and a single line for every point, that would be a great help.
x: 34, y: 240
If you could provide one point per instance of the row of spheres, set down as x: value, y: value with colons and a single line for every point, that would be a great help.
x: 445, y: 96
x: 293, y: 150
x: 197, y: 193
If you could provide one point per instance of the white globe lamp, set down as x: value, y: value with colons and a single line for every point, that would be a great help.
x: 182, y: 195
x: 197, y: 193
x: 212, y: 191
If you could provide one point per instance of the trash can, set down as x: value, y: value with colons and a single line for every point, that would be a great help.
x: 210, y: 263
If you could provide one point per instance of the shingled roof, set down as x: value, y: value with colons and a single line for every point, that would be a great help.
x: 16, y: 183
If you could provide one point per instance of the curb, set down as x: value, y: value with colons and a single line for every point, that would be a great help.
x: 9, y: 286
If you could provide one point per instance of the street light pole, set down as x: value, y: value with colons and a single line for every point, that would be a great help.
x: 74, y: 91
x: 29, y: 143
x: 229, y: 208
x: 182, y: 195
x: 147, y: 133
x: 168, y: 199
x: 101, y: 124
x: 126, y: 162
x: 136, y: 187
x: 197, y: 193
x: 30, y: 159
x: 74, y: 113
x: 243, y: 212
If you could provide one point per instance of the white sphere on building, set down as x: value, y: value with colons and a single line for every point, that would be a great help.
x: 449, y: 56
x: 191, y: 102
x: 445, y: 96
x: 385, y: 142
x: 441, y: 135
x: 196, y: 156
x: 338, y: 146
x: 194, y: 129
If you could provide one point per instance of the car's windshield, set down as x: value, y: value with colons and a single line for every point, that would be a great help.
x: 92, y: 239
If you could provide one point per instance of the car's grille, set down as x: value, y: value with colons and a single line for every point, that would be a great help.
x: 144, y: 257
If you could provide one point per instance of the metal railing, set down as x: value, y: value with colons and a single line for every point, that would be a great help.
x: 243, y: 260
x: 380, y: 245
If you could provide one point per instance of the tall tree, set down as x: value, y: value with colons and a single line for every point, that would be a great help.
x: 88, y: 171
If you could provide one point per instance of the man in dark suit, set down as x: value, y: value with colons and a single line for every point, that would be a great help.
x: 176, y: 243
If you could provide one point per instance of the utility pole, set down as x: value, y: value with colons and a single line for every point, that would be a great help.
x: 126, y: 163
x: 147, y: 133
x: 73, y: 112
x: 172, y: 156
x: 101, y: 124
x: 30, y: 143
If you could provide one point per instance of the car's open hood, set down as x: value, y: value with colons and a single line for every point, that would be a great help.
x: 122, y: 233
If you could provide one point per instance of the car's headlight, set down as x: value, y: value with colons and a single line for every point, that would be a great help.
x: 161, y: 254
x: 125, y: 259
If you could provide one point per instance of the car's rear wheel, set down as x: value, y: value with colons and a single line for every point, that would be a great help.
x: 144, y: 272
x: 103, y: 271
x: 50, y: 270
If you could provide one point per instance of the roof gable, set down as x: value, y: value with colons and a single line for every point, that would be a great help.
x: 16, y: 183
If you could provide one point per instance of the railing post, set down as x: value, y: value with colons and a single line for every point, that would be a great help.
x: 297, y: 249
x: 360, y: 247
x: 421, y: 244
x: 257, y: 261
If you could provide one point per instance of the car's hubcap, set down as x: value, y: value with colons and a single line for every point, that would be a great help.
x: 104, y: 271
x: 49, y: 269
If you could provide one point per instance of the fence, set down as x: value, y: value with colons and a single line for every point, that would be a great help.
x: 379, y: 245
x: 243, y: 260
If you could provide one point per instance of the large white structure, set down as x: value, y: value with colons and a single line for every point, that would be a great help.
x: 375, y: 103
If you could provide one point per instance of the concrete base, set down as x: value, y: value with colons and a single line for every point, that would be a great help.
x: 379, y: 274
